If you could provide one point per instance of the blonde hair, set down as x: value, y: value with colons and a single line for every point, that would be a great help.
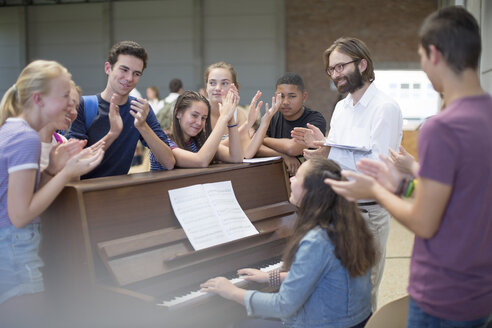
x: 35, y: 77
x: 76, y: 87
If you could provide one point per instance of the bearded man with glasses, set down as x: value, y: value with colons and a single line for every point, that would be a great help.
x: 367, y: 120
x: 365, y: 124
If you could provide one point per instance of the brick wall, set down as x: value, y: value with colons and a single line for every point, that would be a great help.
x: 388, y: 27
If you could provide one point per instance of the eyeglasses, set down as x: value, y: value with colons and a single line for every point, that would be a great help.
x: 339, y: 67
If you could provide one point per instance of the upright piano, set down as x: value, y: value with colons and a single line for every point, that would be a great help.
x: 116, y: 256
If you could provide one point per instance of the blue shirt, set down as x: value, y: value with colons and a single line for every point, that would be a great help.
x: 318, y: 290
x: 118, y: 157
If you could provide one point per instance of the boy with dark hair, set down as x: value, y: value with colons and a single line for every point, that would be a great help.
x: 176, y: 86
x: 165, y: 115
x: 292, y: 113
x: 127, y: 118
x: 130, y: 48
x: 451, y: 215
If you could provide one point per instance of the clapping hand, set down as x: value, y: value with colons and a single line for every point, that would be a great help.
x: 139, y: 110
x: 307, y: 136
x: 61, y: 153
x: 269, y: 112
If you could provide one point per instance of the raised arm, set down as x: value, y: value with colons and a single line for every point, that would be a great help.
x: 212, y: 145
x: 140, y: 110
x: 115, y: 124
x: 254, y: 144
x: 422, y: 216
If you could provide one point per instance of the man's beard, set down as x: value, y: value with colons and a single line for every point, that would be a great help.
x: 353, y: 82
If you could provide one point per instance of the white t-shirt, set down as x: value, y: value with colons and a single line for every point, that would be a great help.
x: 156, y: 105
x: 45, y: 151
x: 171, y: 97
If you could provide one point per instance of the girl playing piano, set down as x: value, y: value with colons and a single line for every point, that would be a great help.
x: 326, y: 278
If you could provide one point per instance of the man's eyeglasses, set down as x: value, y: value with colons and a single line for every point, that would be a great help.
x: 339, y: 67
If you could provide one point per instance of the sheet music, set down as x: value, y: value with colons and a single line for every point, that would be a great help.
x: 210, y: 214
x: 260, y: 159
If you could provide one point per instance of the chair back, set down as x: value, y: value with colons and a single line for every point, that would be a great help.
x: 391, y: 315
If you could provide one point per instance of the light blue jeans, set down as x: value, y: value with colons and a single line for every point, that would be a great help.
x: 419, y: 319
x: 19, y: 261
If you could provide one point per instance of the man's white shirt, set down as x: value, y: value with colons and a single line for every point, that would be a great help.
x: 374, y: 123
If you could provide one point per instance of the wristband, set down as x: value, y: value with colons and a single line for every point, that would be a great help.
x: 274, y: 278
x: 231, y: 126
x: 410, y: 189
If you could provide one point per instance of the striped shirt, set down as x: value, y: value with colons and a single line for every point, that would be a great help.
x: 156, y: 166
x: 20, y: 149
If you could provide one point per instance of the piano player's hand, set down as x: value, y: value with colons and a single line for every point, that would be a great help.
x: 223, y: 287
x: 253, y: 275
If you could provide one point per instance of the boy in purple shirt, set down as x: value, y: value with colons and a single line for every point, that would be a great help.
x: 451, y: 215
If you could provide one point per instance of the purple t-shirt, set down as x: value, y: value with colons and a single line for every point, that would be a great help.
x: 20, y: 149
x: 451, y: 273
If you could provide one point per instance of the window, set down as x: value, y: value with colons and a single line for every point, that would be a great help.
x: 413, y: 91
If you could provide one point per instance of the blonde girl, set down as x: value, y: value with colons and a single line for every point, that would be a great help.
x: 40, y: 95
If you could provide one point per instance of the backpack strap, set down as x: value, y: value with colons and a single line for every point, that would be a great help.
x: 90, y: 109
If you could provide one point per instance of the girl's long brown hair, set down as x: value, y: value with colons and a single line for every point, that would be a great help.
x: 347, y: 230
x: 184, y: 101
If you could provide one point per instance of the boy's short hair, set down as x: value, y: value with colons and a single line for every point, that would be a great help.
x: 456, y: 34
x: 291, y: 78
x: 175, y: 85
x: 127, y: 48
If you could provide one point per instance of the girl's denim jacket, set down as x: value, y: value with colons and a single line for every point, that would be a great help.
x: 318, y: 291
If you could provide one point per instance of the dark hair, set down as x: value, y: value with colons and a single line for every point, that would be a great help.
x: 184, y: 101
x: 127, y: 48
x: 291, y: 78
x: 224, y: 65
x: 175, y: 85
x: 355, y: 49
x: 456, y: 34
x: 321, y: 206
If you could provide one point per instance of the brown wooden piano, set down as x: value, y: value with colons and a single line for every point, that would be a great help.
x: 115, y: 253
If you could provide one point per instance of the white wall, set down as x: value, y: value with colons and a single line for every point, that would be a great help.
x: 482, y: 10
x: 486, y: 63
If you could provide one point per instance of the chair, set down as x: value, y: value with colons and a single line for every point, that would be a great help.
x: 391, y: 315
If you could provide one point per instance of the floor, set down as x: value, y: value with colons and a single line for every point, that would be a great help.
x: 397, y: 266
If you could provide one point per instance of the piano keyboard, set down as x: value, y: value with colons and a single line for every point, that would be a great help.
x: 198, y: 296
